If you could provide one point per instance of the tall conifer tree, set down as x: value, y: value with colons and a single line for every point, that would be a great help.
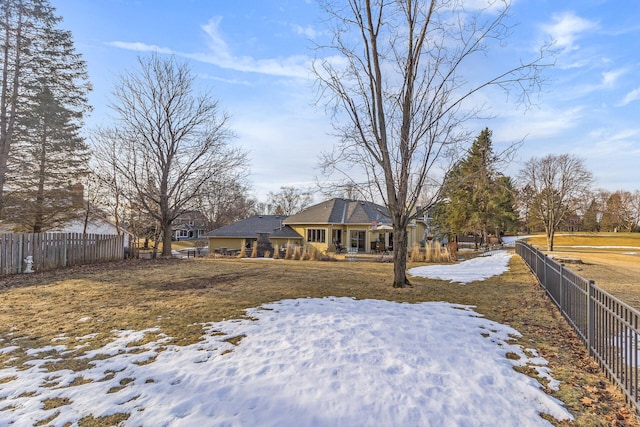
x: 47, y: 156
x: 476, y: 198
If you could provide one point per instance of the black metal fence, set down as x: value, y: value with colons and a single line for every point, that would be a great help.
x: 609, y: 327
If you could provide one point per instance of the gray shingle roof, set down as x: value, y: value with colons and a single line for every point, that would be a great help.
x: 248, y: 228
x: 341, y: 211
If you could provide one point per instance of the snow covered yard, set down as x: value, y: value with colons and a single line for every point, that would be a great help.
x: 313, y: 361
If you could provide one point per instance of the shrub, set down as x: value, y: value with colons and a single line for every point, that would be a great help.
x: 243, y: 252
x: 416, y: 254
x: 433, y: 252
x: 276, y: 252
x: 254, y: 251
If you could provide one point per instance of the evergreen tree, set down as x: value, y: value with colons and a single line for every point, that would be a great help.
x: 47, y: 153
x: 506, y: 218
x: 15, y: 19
x: 476, y: 198
x: 590, y: 217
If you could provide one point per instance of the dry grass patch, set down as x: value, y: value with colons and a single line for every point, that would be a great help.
x: 111, y: 420
x: 55, y: 402
x: 612, y: 260
x: 631, y: 240
x: 178, y: 296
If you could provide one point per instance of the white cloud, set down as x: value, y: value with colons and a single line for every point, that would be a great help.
x: 297, y: 66
x: 535, y: 124
x: 216, y: 43
x: 140, y: 47
x: 609, y: 78
x: 566, y: 28
x: 308, y: 31
x: 221, y: 55
x: 608, y: 141
x: 634, y: 95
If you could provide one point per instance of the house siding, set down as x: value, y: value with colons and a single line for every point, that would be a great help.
x: 216, y: 243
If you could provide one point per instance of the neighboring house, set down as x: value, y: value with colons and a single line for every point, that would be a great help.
x: 234, y: 237
x: 96, y: 224
x: 190, y: 225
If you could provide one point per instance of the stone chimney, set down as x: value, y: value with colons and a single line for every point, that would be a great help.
x: 264, y: 245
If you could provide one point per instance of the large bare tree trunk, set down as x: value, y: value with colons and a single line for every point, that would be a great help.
x: 400, y: 258
x: 167, y: 233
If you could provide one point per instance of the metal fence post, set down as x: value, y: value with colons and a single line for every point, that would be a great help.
x: 544, y: 272
x: 591, y: 319
x: 561, y: 290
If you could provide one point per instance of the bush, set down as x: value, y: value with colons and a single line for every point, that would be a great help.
x: 433, y: 252
x: 243, y: 252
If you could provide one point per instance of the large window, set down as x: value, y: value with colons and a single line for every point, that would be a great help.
x: 317, y: 235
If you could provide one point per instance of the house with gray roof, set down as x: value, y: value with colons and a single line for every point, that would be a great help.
x: 340, y: 224
x: 336, y: 225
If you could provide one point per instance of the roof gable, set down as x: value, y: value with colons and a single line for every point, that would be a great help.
x: 341, y: 211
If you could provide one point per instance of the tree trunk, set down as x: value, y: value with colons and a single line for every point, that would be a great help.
x: 8, y: 104
x: 400, y: 258
x: 550, y: 236
x: 166, y: 240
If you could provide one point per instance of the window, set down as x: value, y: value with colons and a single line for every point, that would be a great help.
x: 316, y: 235
x: 336, y: 236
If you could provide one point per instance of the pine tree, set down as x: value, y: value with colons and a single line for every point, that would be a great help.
x: 47, y: 154
x: 15, y: 17
x: 476, y: 198
x: 590, y: 217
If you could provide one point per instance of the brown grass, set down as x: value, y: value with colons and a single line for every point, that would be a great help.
x: 612, y: 260
x: 178, y: 295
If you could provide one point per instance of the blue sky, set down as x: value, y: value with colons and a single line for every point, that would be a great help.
x: 254, y: 56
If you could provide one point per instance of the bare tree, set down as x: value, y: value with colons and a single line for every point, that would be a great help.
x: 556, y: 186
x: 636, y: 210
x: 396, y: 83
x: 619, y: 212
x: 224, y: 201
x: 289, y: 201
x: 169, y: 140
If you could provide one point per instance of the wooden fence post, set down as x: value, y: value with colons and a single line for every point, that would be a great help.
x: 20, y: 252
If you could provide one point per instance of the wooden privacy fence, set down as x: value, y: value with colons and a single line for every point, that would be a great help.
x: 609, y: 327
x: 53, y: 250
